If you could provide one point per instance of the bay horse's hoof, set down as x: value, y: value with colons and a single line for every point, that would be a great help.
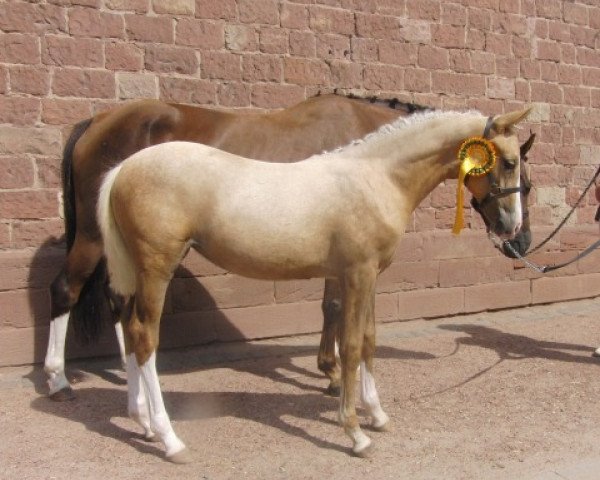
x: 182, y: 457
x: 63, y: 395
x: 333, y: 390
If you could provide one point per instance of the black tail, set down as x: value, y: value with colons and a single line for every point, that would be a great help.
x: 92, y: 307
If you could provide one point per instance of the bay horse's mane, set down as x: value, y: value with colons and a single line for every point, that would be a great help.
x: 393, y: 103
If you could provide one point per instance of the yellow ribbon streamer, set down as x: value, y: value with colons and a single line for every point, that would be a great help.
x: 478, y: 157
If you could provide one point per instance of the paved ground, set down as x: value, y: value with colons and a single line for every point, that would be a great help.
x: 503, y: 395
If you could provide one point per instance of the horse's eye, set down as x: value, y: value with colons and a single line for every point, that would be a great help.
x: 508, y: 164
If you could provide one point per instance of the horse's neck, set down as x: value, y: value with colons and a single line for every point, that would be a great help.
x: 428, y: 156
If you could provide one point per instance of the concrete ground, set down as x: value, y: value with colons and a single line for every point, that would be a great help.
x: 503, y: 395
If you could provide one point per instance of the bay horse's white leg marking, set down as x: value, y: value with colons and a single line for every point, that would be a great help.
x: 159, y: 418
x: 54, y: 364
x: 121, y: 340
x: 137, y: 402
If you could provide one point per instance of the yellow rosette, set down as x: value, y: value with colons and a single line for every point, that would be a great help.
x: 477, y: 157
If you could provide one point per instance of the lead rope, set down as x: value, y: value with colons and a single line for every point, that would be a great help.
x: 549, y: 268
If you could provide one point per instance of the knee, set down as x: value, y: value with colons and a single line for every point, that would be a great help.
x: 60, y: 296
x: 331, y: 308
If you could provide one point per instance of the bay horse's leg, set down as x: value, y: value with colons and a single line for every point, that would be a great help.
x: 368, y: 392
x: 357, y: 289
x: 332, y: 317
x: 81, y: 261
x: 143, y: 331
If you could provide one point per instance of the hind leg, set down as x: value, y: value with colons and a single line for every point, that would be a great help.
x: 332, y: 314
x: 81, y: 262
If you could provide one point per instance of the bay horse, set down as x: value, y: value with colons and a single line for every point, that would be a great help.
x: 337, y: 215
x: 320, y: 123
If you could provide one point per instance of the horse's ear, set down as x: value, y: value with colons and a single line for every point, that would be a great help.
x: 527, y: 146
x: 502, y: 122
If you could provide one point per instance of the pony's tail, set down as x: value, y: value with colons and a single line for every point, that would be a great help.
x: 121, y: 269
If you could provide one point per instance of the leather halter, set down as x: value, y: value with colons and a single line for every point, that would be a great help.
x: 495, y: 191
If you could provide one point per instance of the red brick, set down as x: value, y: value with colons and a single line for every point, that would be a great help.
x: 558, y: 289
x: 476, y: 40
x: 188, y: 90
x: 331, y: 20
x: 86, y: 22
x: 220, y: 291
x: 462, y: 84
x: 471, y: 271
x: 48, y: 172
x: 333, y: 46
x: 32, y: 18
x: 241, y: 38
x: 21, y: 304
x: 168, y: 59
x: 591, y: 77
x: 294, y: 16
x: 29, y: 204
x: 300, y: 71
x: 364, y: 49
x: 549, y: 8
x: 276, y: 95
x: 495, y: 296
x: 570, y: 74
x: 546, y: 92
x: 401, y: 276
x: 17, y: 48
x: 346, y: 74
x: 200, y: 33
x: 583, y: 36
x: 273, y: 40
x: 30, y: 80
x: 262, y: 68
x: 221, y: 65
x: 174, y: 7
x: 453, y: 14
x: 580, y: 96
x: 299, y: 290
x: 124, y: 56
x: 497, y: 43
x: 501, y: 88
x: 433, y: 57
x: 225, y: 9
x: 480, y: 19
x: 379, y: 27
x: 548, y: 50
x: 417, y: 80
x: 137, y: 6
x: 70, y: 82
x: 3, y: 79
x: 78, y: 52
x: 423, y: 9
x: 19, y: 110
x: 430, y: 303
x: 549, y: 71
x: 234, y: 94
x: 149, y: 29
x: 44, y: 141
x: 559, y: 31
x: 510, y: 6
x: 521, y: 47
x: 594, y: 14
x: 303, y: 44
x: 259, y: 11
x: 482, y: 62
x: 460, y: 62
x: 398, y: 53
x: 195, y: 265
x: 384, y: 77
x: 35, y: 232
x: 17, y: 172
x: 57, y: 111
x: 509, y: 23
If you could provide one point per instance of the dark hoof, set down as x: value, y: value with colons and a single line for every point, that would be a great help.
x: 333, y: 390
x: 64, y: 395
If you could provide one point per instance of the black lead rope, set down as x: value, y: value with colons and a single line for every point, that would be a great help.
x: 549, y: 268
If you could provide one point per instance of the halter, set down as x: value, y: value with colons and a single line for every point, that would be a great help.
x: 496, y: 191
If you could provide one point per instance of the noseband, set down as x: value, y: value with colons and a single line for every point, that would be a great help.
x: 496, y: 191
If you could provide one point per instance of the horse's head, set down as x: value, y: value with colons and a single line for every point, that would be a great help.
x: 498, y: 195
x: 522, y: 239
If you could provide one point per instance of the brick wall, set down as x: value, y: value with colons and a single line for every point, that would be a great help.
x: 64, y: 60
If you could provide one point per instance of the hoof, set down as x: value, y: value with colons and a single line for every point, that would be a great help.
x: 363, y: 450
x: 333, y: 390
x: 64, y: 395
x: 181, y: 458
x: 153, y: 438
x: 383, y: 427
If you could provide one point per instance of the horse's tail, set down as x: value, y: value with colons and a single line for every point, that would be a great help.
x: 92, y: 305
x: 67, y: 181
x: 121, y: 269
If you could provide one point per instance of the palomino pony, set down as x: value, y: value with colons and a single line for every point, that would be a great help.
x: 256, y: 219
x: 320, y: 123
